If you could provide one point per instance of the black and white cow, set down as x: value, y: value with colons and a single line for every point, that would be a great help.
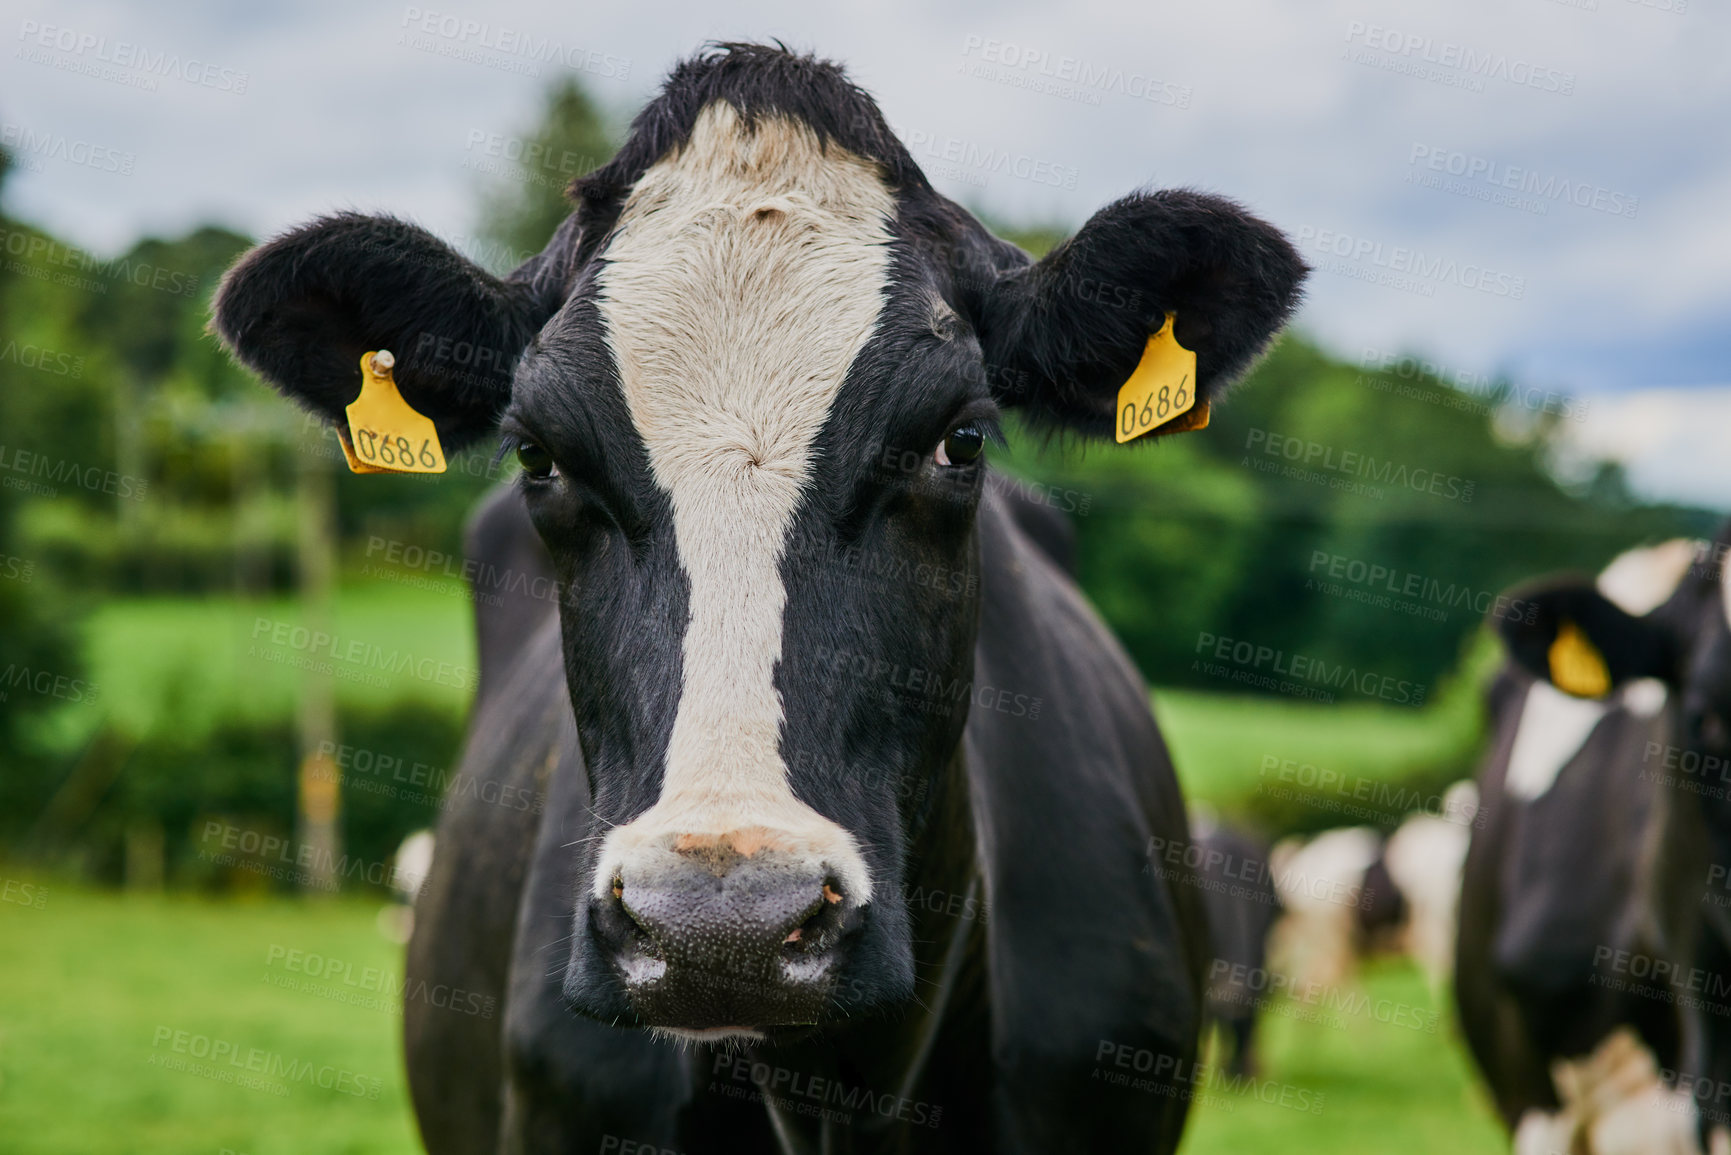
x: 812, y: 666
x: 1239, y: 894
x: 1581, y: 907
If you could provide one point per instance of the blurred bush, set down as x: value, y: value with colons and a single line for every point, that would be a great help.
x: 168, y: 790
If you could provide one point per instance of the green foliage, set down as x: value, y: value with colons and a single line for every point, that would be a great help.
x: 527, y: 202
x: 240, y: 774
x: 38, y: 369
x: 1234, y: 532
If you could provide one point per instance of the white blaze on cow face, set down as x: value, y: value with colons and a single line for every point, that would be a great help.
x: 1640, y: 580
x: 747, y: 271
x: 1725, y: 589
x: 1554, y: 727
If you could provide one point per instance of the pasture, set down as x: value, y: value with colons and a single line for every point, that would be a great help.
x: 97, y: 987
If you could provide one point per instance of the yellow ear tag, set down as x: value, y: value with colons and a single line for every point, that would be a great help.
x: 1576, y: 667
x: 1162, y: 389
x: 385, y: 434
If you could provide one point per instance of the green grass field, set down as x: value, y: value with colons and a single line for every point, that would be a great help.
x: 199, y: 661
x: 95, y: 986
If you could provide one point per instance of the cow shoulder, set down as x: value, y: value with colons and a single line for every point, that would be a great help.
x: 1070, y: 782
x: 466, y: 912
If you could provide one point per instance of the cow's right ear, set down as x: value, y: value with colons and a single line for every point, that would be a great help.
x: 302, y: 309
x: 1566, y: 632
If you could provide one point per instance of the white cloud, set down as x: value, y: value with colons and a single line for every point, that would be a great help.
x: 1675, y: 444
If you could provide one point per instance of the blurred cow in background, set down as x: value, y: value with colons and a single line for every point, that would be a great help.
x: 1239, y: 895
x: 1349, y: 893
x: 1579, y: 938
x: 1324, y: 892
x: 1424, y: 858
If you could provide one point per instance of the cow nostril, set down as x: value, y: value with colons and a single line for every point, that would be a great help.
x: 821, y: 925
x: 630, y: 926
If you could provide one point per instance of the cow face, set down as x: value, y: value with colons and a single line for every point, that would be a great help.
x: 1684, y: 642
x: 1595, y: 854
x: 749, y: 382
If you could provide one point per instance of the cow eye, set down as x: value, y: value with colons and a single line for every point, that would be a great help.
x: 536, y: 461
x: 961, y: 446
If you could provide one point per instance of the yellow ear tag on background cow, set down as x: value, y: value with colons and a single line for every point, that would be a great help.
x: 1576, y: 666
x: 1162, y: 389
x: 385, y: 434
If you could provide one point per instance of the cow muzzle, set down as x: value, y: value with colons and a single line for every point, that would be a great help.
x: 737, y: 931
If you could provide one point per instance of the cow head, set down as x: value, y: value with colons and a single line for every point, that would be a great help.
x: 761, y: 346
x: 1583, y: 810
x: 1677, y: 630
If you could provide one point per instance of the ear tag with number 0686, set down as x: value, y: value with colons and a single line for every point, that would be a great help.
x: 385, y: 435
x: 1162, y: 388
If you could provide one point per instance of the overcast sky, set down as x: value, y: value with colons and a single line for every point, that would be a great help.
x: 1535, y: 187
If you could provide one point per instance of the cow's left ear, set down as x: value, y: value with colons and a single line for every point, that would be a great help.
x: 1060, y: 336
x: 1568, y: 633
